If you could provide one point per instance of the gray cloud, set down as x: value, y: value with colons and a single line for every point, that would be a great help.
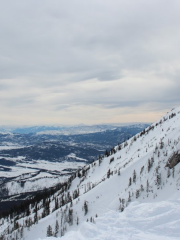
x: 59, y: 56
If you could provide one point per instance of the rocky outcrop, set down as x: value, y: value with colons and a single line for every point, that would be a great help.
x: 173, y: 160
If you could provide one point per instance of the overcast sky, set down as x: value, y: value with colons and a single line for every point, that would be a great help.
x: 93, y: 61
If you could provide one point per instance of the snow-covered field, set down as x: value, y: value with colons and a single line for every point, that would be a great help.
x: 32, y: 176
x: 6, y: 146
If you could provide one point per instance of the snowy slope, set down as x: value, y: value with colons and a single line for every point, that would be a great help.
x: 157, y: 221
x: 131, y: 194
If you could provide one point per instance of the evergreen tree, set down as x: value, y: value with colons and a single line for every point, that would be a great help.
x: 142, y: 169
x: 168, y: 173
x: 108, y: 173
x: 70, y: 217
x: 77, y: 221
x: 161, y: 144
x: 119, y: 147
x: 149, y: 165
x: 56, y: 204
x: 137, y: 193
x: 56, y: 228
x: 85, y: 207
x: 16, y: 236
x: 142, y: 188
x: 122, y: 204
x: 62, y: 232
x: 28, y: 212
x: 22, y: 233
x: 129, y: 198
x: 106, y: 153
x: 49, y: 231
x: 173, y: 170
x: 134, y: 176
x: 158, y: 177
x: 35, y: 214
x: 147, y: 186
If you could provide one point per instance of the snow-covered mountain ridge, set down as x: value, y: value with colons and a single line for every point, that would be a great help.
x: 126, y: 194
x: 65, y: 130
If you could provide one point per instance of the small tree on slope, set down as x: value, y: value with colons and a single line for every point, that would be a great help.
x: 49, y: 231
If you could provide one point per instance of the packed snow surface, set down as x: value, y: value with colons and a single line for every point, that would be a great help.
x: 140, y: 221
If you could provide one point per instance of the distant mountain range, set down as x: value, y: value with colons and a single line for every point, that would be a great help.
x: 64, y: 130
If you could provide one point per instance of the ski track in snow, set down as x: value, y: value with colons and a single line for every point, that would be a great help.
x: 140, y: 221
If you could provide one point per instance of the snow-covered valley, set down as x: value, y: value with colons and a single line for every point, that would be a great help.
x: 31, y: 162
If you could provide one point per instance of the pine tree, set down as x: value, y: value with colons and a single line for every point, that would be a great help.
x: 71, y: 203
x: 28, y: 212
x: 129, y: 198
x: 70, y: 217
x: 22, y: 232
x: 16, y: 236
x: 49, y: 231
x: 56, y: 203
x: 142, y: 169
x: 122, y: 204
x: 168, y: 173
x: 56, y: 228
x: 108, y: 173
x: 161, y: 144
x: 152, y: 161
x: 149, y: 165
x: 62, y: 232
x: 77, y: 221
x: 147, y: 186
x: 142, y: 188
x: 119, y: 147
x: 106, y: 153
x: 134, y: 176
x: 158, y: 177
x: 85, y: 207
x: 137, y: 193
x: 173, y: 170
x: 46, y: 210
x: 35, y: 214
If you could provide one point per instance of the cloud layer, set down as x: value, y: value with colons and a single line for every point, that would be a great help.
x: 88, y: 61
